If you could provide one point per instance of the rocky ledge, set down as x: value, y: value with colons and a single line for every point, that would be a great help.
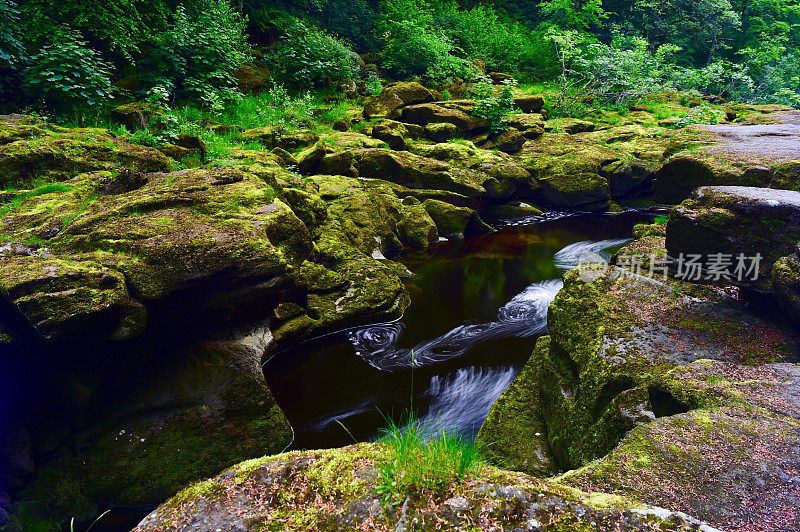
x: 338, y: 490
x: 673, y: 393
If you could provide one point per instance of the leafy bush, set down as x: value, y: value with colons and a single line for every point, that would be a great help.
x: 12, y: 53
x: 68, y: 75
x: 308, y: 57
x: 595, y: 75
x: 415, y: 46
x: 721, y: 77
x: 415, y: 465
x: 122, y: 27
x: 197, y: 56
x: 702, y: 114
x: 500, y: 44
x: 494, y: 105
x: 374, y: 86
x: 11, y: 50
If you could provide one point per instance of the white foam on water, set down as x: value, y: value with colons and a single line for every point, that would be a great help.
x: 461, y: 400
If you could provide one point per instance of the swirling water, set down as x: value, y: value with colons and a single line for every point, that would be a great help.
x: 477, y: 308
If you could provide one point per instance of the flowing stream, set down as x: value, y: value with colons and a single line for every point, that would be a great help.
x: 478, y: 306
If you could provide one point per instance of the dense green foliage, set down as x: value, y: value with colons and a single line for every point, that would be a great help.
x: 67, y: 74
x: 599, y: 52
x: 197, y: 55
x: 308, y: 57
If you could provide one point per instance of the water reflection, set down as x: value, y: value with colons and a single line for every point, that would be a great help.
x: 477, y: 306
x: 524, y: 316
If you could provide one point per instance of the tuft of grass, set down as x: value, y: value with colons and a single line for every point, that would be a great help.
x: 417, y: 464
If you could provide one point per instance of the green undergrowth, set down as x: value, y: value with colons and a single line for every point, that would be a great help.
x: 416, y: 463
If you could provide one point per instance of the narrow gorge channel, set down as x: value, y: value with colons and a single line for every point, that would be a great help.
x: 477, y: 307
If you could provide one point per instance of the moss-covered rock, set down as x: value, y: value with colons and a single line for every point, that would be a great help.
x: 785, y: 284
x: 168, y: 235
x: 137, y: 115
x: 441, y: 132
x: 509, y: 141
x: 740, y: 155
x: 272, y: 137
x: 513, y: 436
x: 60, y: 154
x: 529, y: 103
x: 444, y: 113
x: 726, y: 463
x: 452, y: 221
x: 395, y: 96
x: 62, y: 297
x: 339, y: 489
x: 737, y: 221
x: 613, y: 339
x: 413, y: 171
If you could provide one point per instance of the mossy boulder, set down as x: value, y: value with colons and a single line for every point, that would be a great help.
x: 734, y: 221
x: 309, y: 160
x: 725, y: 462
x: 395, y: 96
x: 507, y: 172
x: 513, y: 436
x: 513, y: 210
x: 272, y: 137
x: 529, y: 103
x: 568, y: 170
x: 614, y: 335
x: 785, y: 285
x: 509, y: 141
x: 61, y: 297
x: 137, y: 115
x: 413, y: 171
x: 339, y: 489
x: 395, y: 133
x: 20, y: 127
x: 441, y: 132
x: 168, y: 235
x: 444, y: 113
x: 531, y: 126
x: 452, y: 221
x: 736, y: 155
x: 573, y: 127
x: 60, y: 154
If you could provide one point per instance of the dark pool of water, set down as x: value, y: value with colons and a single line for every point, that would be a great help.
x: 477, y: 307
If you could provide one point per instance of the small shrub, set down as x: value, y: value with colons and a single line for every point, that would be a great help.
x: 494, y: 105
x: 373, y: 86
x: 308, y: 57
x: 68, y: 75
x: 702, y: 114
x: 415, y: 464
